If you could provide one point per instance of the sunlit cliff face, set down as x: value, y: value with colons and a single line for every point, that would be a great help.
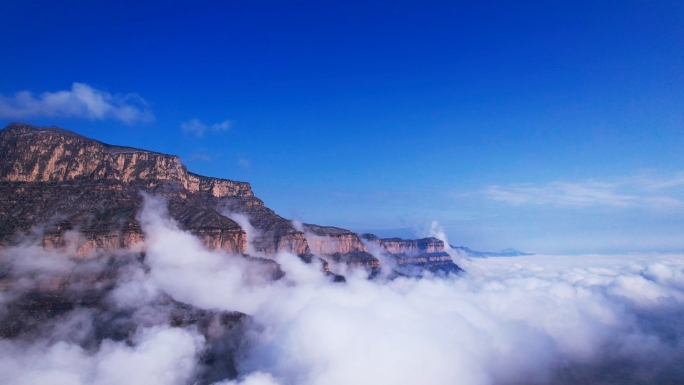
x: 169, y: 318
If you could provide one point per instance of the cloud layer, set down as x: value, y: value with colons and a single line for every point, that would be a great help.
x: 538, y: 319
x: 82, y: 101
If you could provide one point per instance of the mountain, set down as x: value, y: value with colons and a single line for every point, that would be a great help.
x: 81, y: 197
x: 413, y: 254
x: 54, y: 183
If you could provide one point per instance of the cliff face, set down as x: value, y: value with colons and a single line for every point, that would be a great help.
x: 425, y: 253
x: 50, y: 154
x: 407, y: 246
x: 69, y: 185
x: 77, y: 192
x: 341, y: 245
x: 330, y: 240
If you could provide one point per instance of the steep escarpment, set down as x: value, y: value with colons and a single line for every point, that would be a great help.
x: 428, y: 253
x: 68, y: 184
x: 72, y: 191
x: 51, y: 154
x: 341, y: 245
x: 407, y: 246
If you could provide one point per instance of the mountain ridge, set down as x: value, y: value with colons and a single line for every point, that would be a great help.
x: 66, y: 182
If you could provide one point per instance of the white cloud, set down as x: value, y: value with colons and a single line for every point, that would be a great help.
x: 627, y: 192
x: 82, y: 101
x: 561, y: 193
x: 156, y: 356
x: 195, y: 126
x: 657, y: 183
x: 185, y: 269
x: 244, y: 162
x: 505, y: 321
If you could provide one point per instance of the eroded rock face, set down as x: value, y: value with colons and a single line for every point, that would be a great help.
x: 329, y: 240
x: 72, y: 191
x: 407, y: 246
x: 421, y: 253
x: 50, y: 154
x: 86, y: 194
x: 341, y: 245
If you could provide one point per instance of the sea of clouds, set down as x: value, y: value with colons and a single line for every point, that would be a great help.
x: 527, y: 320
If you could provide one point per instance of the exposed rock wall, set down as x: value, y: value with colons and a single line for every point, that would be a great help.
x: 413, y: 255
x: 407, y: 246
x: 71, y: 185
x: 66, y: 182
x: 72, y: 191
x: 50, y: 154
x: 330, y: 240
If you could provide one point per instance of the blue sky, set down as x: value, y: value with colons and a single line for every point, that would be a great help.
x: 549, y: 126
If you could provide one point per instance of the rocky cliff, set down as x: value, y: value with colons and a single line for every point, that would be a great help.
x: 407, y: 246
x: 67, y: 183
x: 50, y: 154
x: 421, y: 253
x: 74, y: 191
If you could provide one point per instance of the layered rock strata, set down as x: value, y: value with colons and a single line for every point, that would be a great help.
x: 427, y: 253
x: 341, y: 245
x: 72, y: 191
x: 70, y: 184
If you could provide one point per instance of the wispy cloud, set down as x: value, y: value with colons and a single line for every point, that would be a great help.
x: 202, y: 157
x: 244, y: 163
x: 656, y: 183
x: 82, y: 101
x: 636, y: 191
x: 562, y: 193
x: 195, y: 126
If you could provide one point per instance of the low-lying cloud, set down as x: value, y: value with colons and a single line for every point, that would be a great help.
x: 536, y: 319
x: 81, y: 101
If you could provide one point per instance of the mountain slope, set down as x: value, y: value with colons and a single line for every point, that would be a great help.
x: 56, y: 184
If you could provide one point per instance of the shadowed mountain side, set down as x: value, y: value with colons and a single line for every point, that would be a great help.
x: 29, y: 313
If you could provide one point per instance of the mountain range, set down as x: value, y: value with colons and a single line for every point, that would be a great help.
x: 55, y: 183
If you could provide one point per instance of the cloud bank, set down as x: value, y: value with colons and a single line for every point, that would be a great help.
x: 196, y: 127
x: 82, y: 101
x: 526, y: 320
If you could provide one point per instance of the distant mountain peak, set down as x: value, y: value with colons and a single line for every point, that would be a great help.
x: 509, y: 252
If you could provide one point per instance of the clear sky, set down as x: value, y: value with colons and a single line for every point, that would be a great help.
x: 551, y: 126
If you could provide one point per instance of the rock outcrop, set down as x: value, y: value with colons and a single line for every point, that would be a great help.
x: 73, y: 191
x: 424, y: 253
x: 341, y: 245
x: 51, y: 154
x: 68, y: 183
x: 407, y: 246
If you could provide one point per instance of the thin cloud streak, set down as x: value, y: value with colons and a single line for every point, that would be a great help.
x: 82, y: 101
x: 631, y: 192
x: 561, y: 193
